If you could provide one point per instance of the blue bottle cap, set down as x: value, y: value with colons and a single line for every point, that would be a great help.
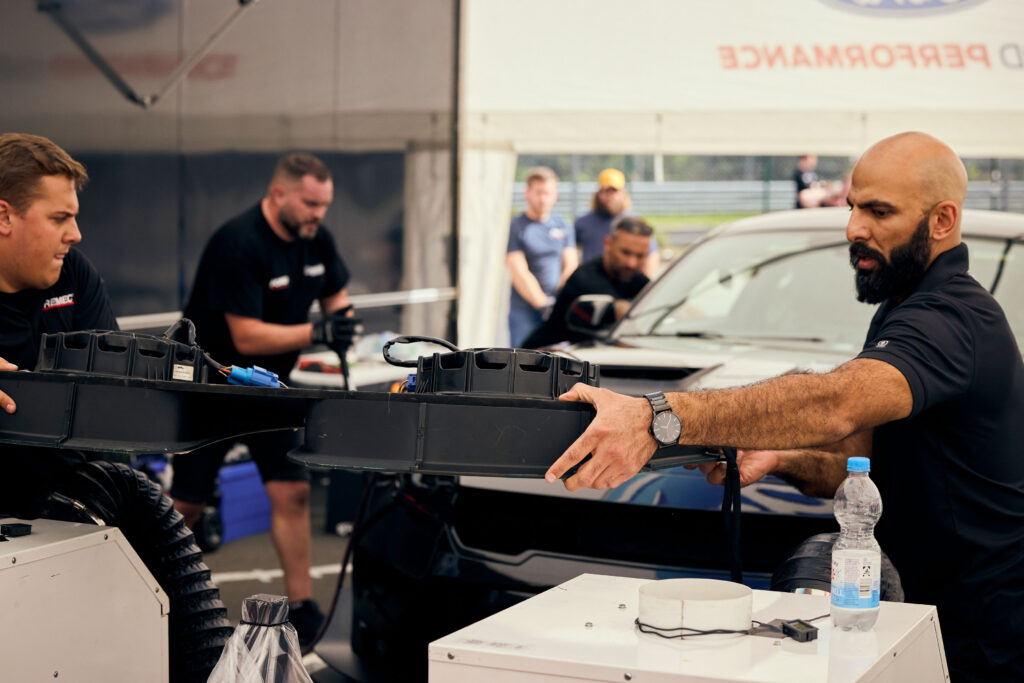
x: 857, y: 464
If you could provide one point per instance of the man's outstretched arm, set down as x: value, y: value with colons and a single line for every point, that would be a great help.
x: 785, y: 413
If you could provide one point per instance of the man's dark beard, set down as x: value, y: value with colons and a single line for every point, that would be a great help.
x: 897, y: 276
x: 292, y: 226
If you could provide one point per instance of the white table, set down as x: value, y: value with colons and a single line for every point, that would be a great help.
x: 583, y: 630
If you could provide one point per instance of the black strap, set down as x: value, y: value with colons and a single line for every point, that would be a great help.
x: 256, y: 623
x: 731, y: 512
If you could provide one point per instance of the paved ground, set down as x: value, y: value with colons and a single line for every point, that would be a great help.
x: 249, y: 565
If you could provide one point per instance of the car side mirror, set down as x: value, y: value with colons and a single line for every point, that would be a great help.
x: 591, y: 314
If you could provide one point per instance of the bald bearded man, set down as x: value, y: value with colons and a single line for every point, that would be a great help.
x: 935, y: 398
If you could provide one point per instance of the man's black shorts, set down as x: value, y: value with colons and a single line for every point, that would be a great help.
x: 195, y: 473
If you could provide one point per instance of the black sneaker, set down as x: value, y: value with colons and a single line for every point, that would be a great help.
x: 307, y: 619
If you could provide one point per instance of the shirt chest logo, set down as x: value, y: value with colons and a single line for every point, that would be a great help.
x: 882, y: 344
x: 280, y: 282
x: 59, y: 302
x: 314, y: 271
x: 556, y: 234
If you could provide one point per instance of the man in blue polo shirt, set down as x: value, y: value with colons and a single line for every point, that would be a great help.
x: 935, y: 398
x: 541, y: 255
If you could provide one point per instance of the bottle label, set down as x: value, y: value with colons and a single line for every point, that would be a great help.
x: 855, y: 578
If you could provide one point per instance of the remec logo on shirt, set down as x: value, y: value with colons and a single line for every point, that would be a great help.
x: 281, y: 282
x: 59, y: 302
x: 314, y: 271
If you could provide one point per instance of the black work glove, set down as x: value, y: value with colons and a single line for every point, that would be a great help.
x: 337, y: 330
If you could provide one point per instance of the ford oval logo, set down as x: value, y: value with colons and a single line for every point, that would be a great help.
x: 901, y: 7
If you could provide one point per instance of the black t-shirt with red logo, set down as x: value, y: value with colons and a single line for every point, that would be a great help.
x: 78, y: 301
x: 249, y: 271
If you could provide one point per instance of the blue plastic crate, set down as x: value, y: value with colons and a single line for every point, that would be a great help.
x: 244, y: 506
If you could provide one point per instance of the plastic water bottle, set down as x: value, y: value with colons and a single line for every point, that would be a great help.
x: 856, y: 556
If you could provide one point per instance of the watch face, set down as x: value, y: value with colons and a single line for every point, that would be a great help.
x: 666, y: 427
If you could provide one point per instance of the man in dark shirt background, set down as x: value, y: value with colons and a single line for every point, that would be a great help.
x: 616, y: 272
x: 935, y: 398
x: 257, y: 278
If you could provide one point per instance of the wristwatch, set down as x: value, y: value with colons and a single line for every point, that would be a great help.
x: 665, y: 424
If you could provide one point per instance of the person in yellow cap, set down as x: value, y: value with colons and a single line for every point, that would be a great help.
x: 611, y: 201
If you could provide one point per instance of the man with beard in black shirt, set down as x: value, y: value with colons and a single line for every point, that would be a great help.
x: 257, y: 278
x: 617, y: 272
x: 935, y: 399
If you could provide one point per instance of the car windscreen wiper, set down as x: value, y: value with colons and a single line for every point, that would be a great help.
x: 709, y: 334
x: 693, y: 334
x: 779, y: 337
x: 698, y: 334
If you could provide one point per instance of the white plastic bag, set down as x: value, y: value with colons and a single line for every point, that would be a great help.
x: 264, y: 647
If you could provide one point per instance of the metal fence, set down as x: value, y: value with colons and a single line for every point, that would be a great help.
x: 740, y: 196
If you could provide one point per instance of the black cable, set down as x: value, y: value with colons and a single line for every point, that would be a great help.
x: 352, y: 539
x: 664, y: 632
x: 731, y: 513
x: 682, y: 632
x: 343, y: 367
x: 409, y: 339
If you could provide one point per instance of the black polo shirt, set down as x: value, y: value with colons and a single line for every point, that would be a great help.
x: 247, y: 270
x: 589, y: 278
x: 952, y: 473
x: 78, y: 301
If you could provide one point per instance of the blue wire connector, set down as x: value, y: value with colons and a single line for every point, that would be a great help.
x: 253, y: 377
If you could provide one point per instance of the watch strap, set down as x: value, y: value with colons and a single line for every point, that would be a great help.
x: 659, y: 403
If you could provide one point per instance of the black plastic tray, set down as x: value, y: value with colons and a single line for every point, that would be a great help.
x: 427, y: 433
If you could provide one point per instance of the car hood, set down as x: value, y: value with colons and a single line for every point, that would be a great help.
x: 635, y: 365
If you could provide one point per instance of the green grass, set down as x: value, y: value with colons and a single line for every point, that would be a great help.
x: 671, y: 222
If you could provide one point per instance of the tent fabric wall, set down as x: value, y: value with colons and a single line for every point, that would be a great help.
x: 354, y: 75
x: 428, y: 225
x: 743, y: 76
x: 485, y: 213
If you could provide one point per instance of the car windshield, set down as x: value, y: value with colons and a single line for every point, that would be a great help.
x: 792, y: 286
x: 787, y: 286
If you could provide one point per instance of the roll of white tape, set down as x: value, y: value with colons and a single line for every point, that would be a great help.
x: 700, y: 604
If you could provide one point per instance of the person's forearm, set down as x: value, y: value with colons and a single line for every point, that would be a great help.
x: 257, y: 338
x: 819, y: 472
x: 570, y: 261
x: 815, y: 473
x: 528, y: 287
x: 793, y: 411
x: 651, y: 264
